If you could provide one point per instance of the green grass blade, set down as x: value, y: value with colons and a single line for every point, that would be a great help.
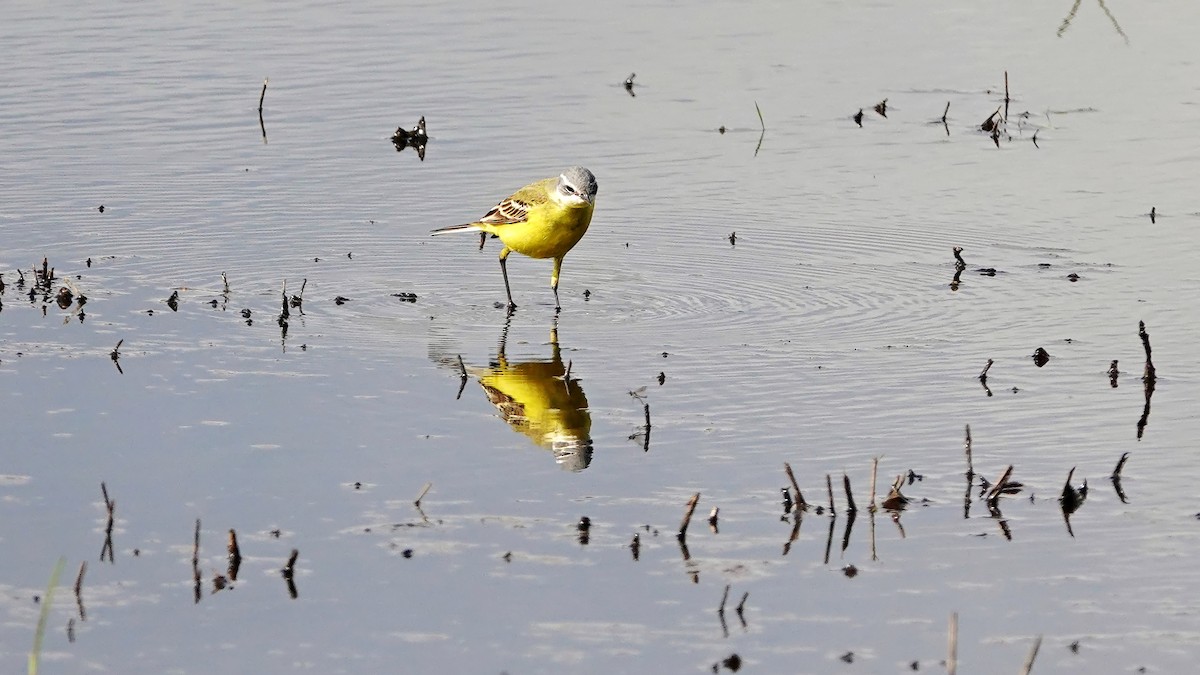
x: 47, y: 600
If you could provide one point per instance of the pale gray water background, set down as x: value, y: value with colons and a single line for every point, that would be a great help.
x: 827, y: 336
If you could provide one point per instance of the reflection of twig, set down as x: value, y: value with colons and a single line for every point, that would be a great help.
x: 1113, y: 19
x: 1066, y: 22
x: 1032, y: 655
x: 764, y: 129
x: 799, y: 518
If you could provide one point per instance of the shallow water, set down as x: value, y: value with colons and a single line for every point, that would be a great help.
x: 829, y: 334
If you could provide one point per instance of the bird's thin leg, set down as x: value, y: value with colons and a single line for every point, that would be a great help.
x: 554, y: 282
x: 504, y: 270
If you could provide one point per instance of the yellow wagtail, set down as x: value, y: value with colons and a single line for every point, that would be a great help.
x: 541, y: 220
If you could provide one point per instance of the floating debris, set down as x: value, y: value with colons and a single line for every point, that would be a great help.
x: 417, y: 138
x: 1040, y: 357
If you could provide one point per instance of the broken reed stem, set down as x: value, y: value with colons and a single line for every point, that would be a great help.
x: 235, y: 553
x: 79, y: 578
x: 1001, y: 483
x: 800, y: 503
x: 1006, y: 98
x: 196, y: 549
x: 849, y: 497
x: 462, y: 368
x: 1037, y: 644
x: 874, y: 474
x: 721, y: 609
x: 687, y: 516
x: 109, y: 504
x: 945, y: 112
x: 742, y: 605
x: 829, y: 487
x: 952, y: 647
x: 967, y: 449
x: 1148, y: 374
x: 983, y: 374
x: 1116, y: 474
x: 290, y: 568
x: 263, y: 95
x: 424, y: 491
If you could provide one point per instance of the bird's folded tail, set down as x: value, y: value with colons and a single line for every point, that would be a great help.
x: 469, y: 227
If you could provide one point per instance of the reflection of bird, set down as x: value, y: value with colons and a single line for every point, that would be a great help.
x: 539, y: 399
x: 541, y: 220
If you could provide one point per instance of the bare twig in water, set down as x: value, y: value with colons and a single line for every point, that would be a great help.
x: 1037, y: 644
x: 1116, y: 474
x: 196, y: 564
x: 261, y: 124
x: 462, y: 369
x: 851, y: 508
x: 1149, y: 379
x: 993, y: 495
x: 984, y: 372
x: 829, y: 487
x: 687, y: 516
x: 1149, y: 375
x: 79, y: 590
x: 289, y: 569
x: 945, y: 112
x: 629, y: 84
x: 800, y: 503
x: 724, y: 597
x: 110, y: 506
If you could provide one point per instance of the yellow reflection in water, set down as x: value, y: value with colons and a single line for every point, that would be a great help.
x: 540, y: 399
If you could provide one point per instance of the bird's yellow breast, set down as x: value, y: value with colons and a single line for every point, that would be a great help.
x: 550, y: 230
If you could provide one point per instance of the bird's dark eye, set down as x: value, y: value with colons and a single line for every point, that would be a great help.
x: 570, y: 190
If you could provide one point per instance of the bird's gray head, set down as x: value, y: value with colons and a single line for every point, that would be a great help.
x: 577, y: 184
